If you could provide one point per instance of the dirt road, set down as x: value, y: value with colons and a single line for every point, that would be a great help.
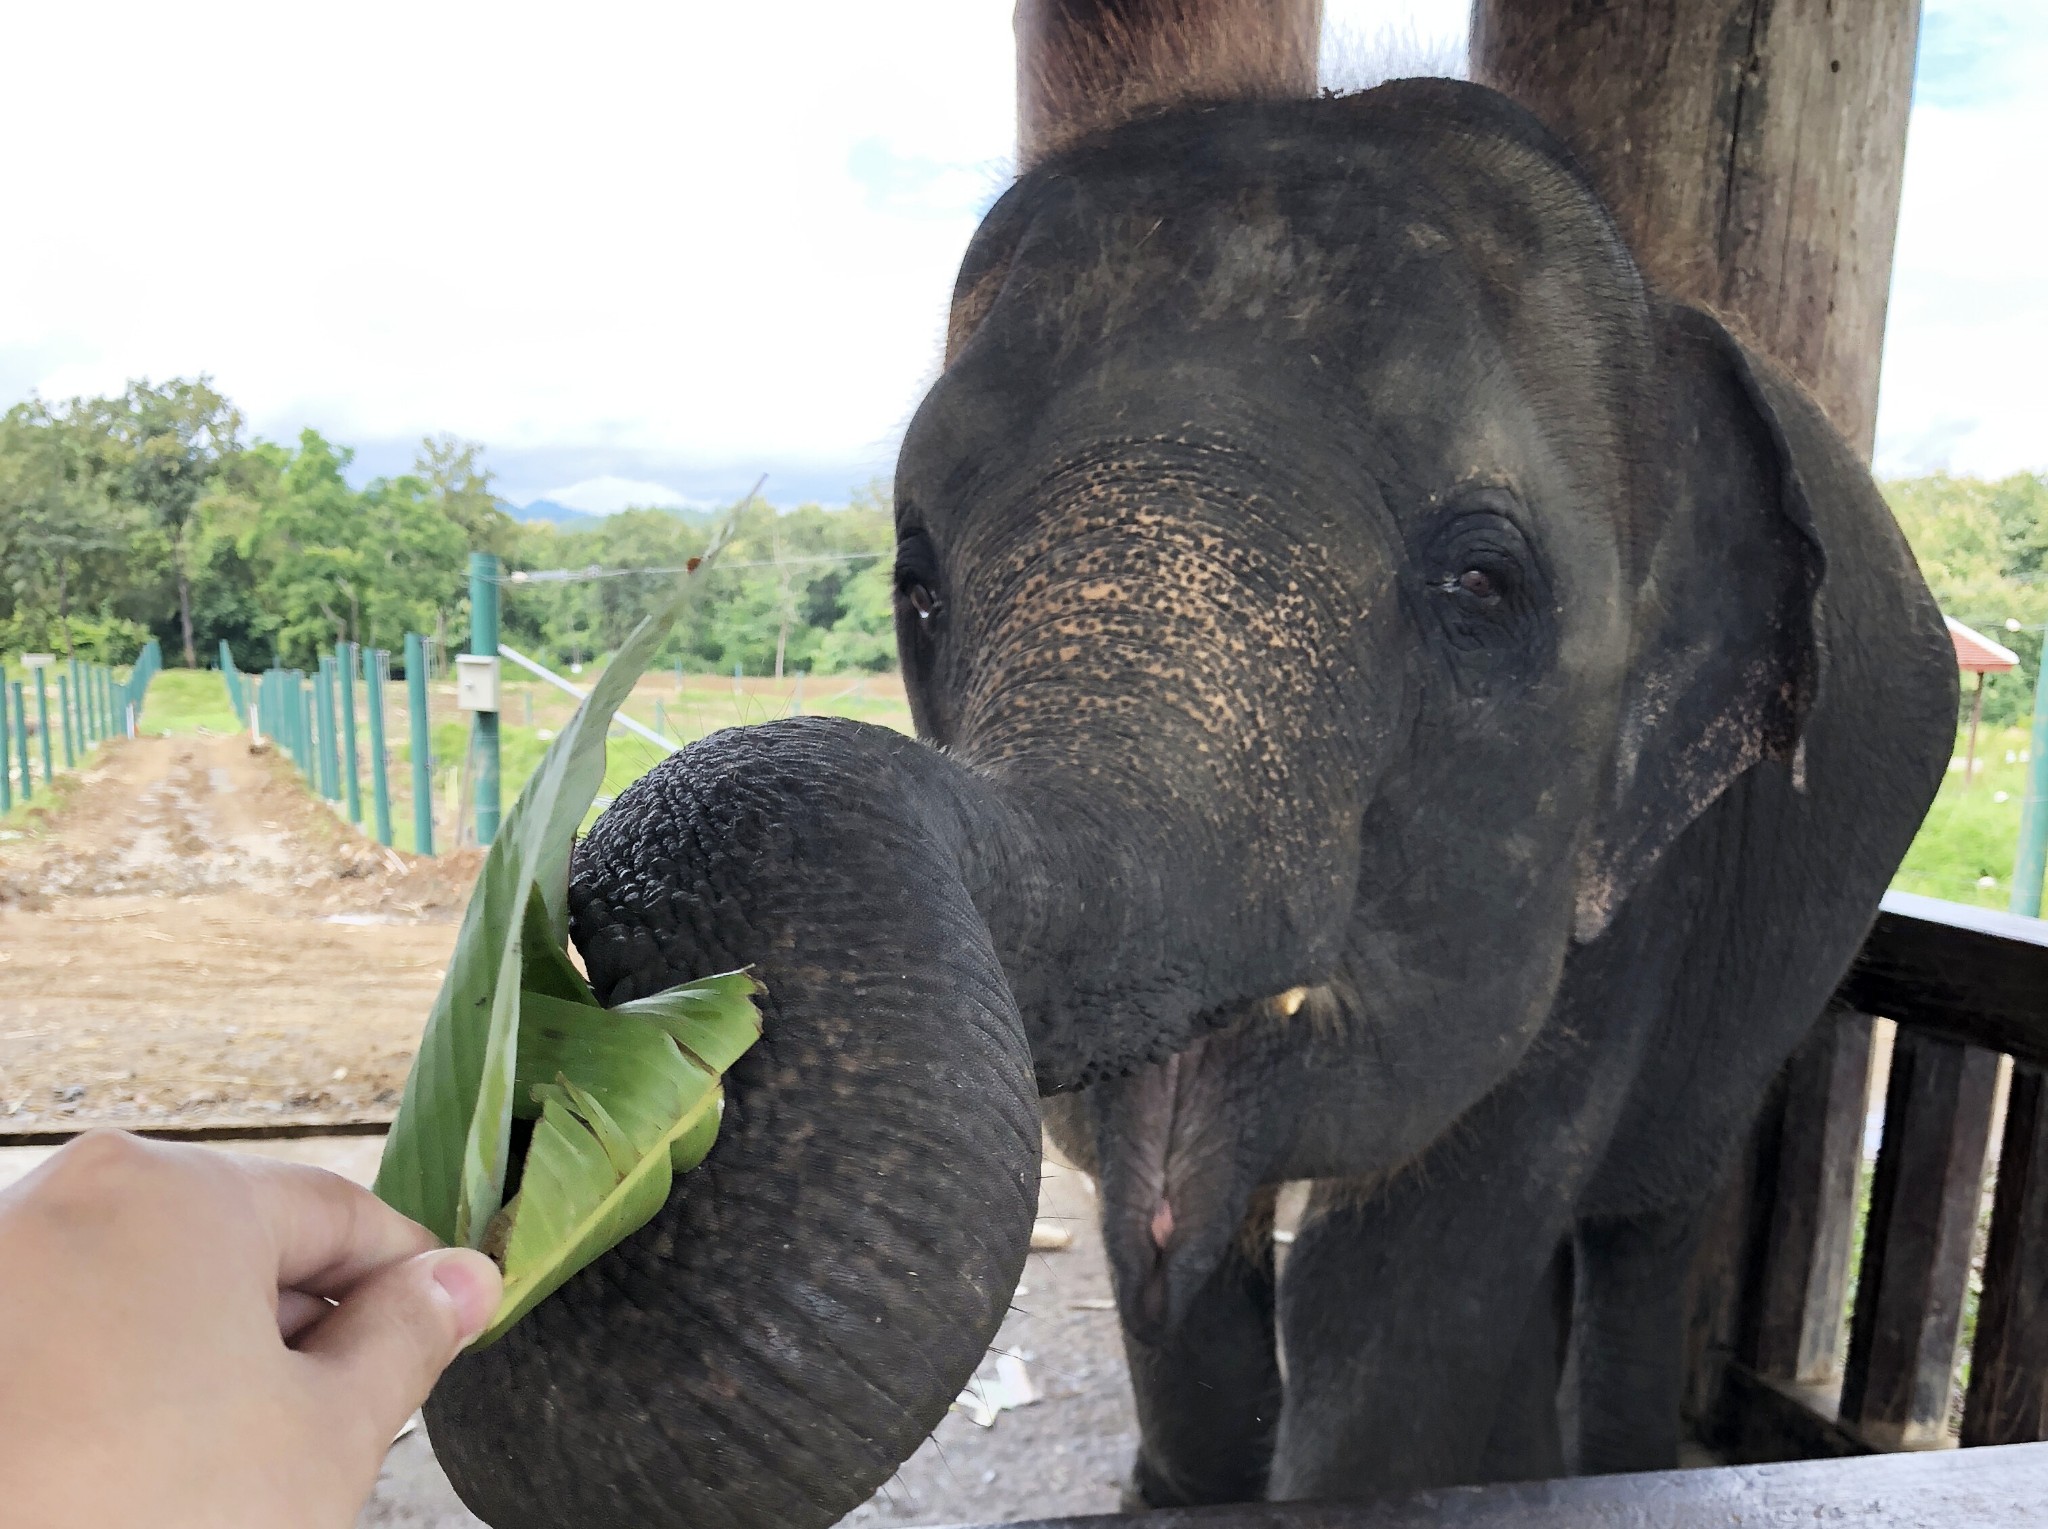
x: 191, y: 938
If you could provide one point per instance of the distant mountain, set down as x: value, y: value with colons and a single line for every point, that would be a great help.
x: 548, y: 510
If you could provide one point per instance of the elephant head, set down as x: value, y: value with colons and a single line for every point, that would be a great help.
x: 1319, y: 554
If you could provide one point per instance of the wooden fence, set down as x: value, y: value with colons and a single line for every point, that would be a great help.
x: 1967, y: 989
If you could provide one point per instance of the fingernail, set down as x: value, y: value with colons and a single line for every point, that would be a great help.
x: 472, y: 1283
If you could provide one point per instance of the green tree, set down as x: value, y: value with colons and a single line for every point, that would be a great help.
x: 1983, y: 549
x: 453, y: 469
x: 62, y: 539
x: 160, y: 450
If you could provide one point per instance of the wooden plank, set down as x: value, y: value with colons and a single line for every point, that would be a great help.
x: 1751, y: 150
x: 1966, y: 973
x: 1984, y: 1488
x: 220, y: 1130
x: 1084, y: 65
x: 1762, y: 1419
x: 1796, y: 1334
x: 2008, y: 1398
x: 1916, y: 1247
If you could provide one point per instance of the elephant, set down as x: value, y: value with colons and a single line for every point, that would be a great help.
x: 1401, y: 704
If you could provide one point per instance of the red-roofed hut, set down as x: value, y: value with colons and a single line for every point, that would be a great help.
x: 1979, y: 655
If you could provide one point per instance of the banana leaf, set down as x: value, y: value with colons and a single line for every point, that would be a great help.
x: 625, y: 1107
x: 446, y: 1158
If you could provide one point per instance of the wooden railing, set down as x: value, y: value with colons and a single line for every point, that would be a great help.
x: 1965, y: 988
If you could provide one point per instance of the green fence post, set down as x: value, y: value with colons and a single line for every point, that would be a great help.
x: 330, y: 741
x: 64, y: 723
x: 422, y: 755
x: 6, y: 749
x: 102, y: 695
x: 345, y: 662
x: 309, y: 732
x: 81, y: 699
x: 21, y: 740
x: 2032, y: 857
x: 43, y: 722
x: 380, y: 786
x: 483, y: 643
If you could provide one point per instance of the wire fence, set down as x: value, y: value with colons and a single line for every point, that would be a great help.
x: 46, y: 729
x: 384, y: 739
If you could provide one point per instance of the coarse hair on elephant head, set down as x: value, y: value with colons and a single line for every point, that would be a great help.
x: 1321, y: 565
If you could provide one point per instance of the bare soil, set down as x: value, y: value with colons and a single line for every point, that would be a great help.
x: 191, y: 938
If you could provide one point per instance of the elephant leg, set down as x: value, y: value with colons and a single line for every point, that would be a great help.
x: 1400, y: 1317
x: 1629, y: 1323
x: 1209, y: 1395
x: 1527, y: 1443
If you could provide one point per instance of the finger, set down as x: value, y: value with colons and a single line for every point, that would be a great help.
x: 383, y: 1347
x: 329, y: 1232
x: 297, y: 1311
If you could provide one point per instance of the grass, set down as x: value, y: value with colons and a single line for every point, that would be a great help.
x: 1965, y: 849
x: 185, y: 701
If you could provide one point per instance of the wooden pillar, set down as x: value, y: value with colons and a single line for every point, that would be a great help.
x: 1924, y: 1199
x: 1083, y: 65
x: 1751, y: 149
x: 1795, y: 1334
x: 2008, y: 1401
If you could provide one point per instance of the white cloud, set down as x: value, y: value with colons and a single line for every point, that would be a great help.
x: 605, y: 495
x: 1964, y: 387
x: 724, y: 236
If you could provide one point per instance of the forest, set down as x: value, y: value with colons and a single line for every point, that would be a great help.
x: 152, y: 513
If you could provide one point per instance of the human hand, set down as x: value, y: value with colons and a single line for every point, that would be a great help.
x: 169, y: 1356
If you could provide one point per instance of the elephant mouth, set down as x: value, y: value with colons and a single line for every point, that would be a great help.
x: 1175, y: 1184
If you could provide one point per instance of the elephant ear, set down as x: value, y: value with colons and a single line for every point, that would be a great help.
x: 1728, y: 654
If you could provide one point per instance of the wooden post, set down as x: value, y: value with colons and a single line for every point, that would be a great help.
x: 1083, y: 65
x: 2008, y: 1400
x: 1798, y: 1320
x: 1751, y: 149
x: 1976, y: 716
x: 1924, y: 1198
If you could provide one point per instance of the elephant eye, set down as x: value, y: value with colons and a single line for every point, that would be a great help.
x: 1477, y: 583
x: 917, y: 575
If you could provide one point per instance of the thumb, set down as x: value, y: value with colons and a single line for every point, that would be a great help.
x: 387, y: 1343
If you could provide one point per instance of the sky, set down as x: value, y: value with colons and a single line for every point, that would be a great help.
x: 646, y: 252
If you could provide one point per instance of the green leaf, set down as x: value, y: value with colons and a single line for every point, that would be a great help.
x: 445, y: 1158
x: 625, y: 1111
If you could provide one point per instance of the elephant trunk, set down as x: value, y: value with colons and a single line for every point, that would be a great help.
x: 937, y: 946
x: 786, y: 1331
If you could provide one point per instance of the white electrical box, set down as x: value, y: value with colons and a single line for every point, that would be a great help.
x: 38, y: 660
x: 476, y: 682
